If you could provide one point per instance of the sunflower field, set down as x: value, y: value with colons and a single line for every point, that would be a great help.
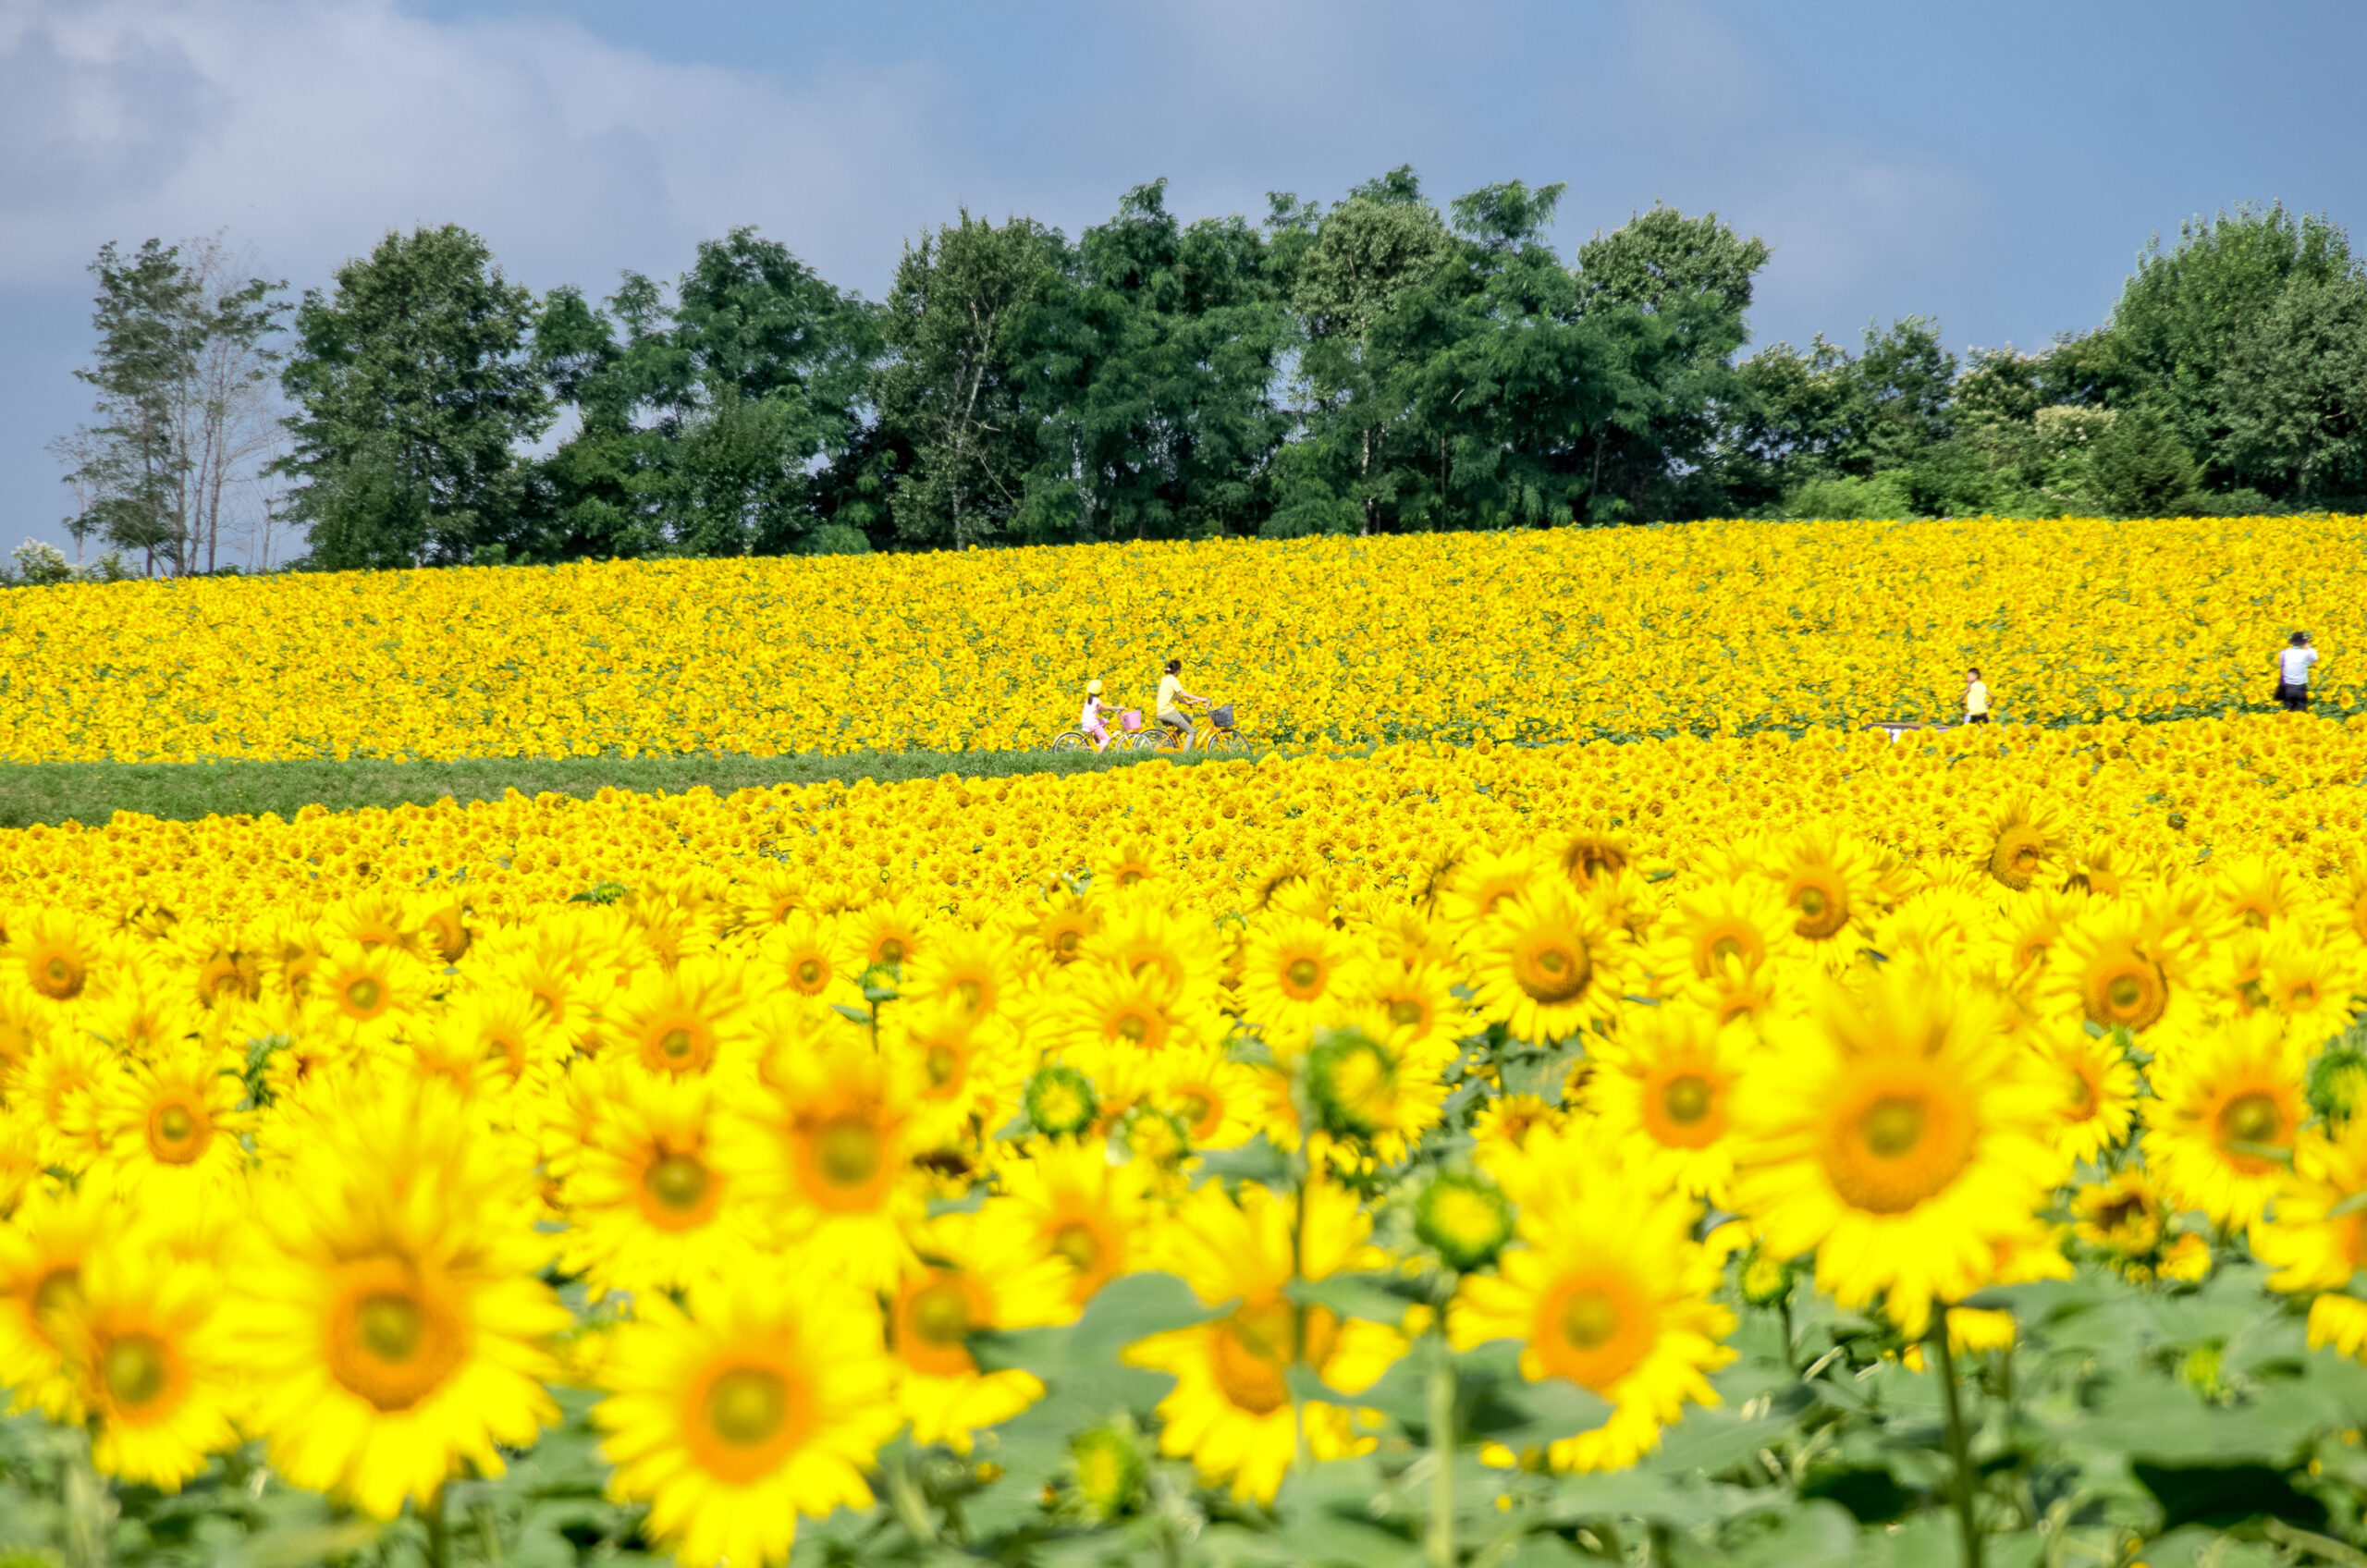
x: 1563, y: 634
x: 1755, y: 1141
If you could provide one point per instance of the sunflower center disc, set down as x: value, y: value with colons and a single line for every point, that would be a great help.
x: 848, y: 1152
x: 134, y: 1368
x: 1590, y: 1318
x: 747, y: 1405
x: 1893, y: 1127
x: 1687, y: 1099
x: 678, y: 1181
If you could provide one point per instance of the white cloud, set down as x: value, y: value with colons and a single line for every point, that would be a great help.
x: 312, y: 128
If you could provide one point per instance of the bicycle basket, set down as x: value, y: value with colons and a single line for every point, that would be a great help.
x: 1131, y: 719
x: 1222, y: 717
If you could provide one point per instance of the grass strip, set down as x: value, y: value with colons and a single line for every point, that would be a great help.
x: 91, y: 793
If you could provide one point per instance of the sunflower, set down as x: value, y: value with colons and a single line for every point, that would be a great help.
x: 804, y: 952
x: 58, y: 954
x: 1296, y: 973
x: 172, y: 1126
x: 63, y: 1078
x: 1218, y: 1099
x: 1068, y: 1203
x: 1832, y: 887
x: 882, y: 935
x: 1596, y: 853
x: 691, y: 1019
x: 1230, y: 1411
x: 2258, y: 893
x: 1726, y: 928
x: 506, y: 1027
x: 973, y: 972
x: 1180, y: 956
x: 1411, y: 1000
x: 1109, y: 1015
x: 832, y: 1171
x: 1903, y: 1135
x: 1483, y: 880
x: 2099, y: 1101
x: 2316, y: 1236
x: 2020, y: 844
x: 387, y: 1307
x: 1063, y: 926
x: 972, y: 1277
x: 959, y: 1070
x: 43, y: 1250
x: 2229, y: 1105
x: 1606, y: 1289
x: 2118, y: 968
x: 157, y: 1377
x: 1547, y: 964
x: 2121, y: 1217
x: 768, y: 1399
x: 1132, y: 864
x: 658, y: 1196
x: 363, y: 996
x: 1379, y: 1088
x: 1664, y: 1095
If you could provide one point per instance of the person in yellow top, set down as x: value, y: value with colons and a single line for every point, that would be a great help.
x: 1171, y: 695
x: 1976, y: 698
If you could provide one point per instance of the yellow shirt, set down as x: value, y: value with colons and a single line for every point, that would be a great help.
x: 1168, y: 687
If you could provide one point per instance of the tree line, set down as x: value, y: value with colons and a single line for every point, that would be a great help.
x: 1380, y: 364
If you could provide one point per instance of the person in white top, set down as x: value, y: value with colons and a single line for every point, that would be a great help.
x: 1092, y: 723
x: 2293, y: 662
x: 1170, y: 696
x: 1976, y: 698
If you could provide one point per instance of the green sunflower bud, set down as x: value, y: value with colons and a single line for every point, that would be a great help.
x: 1766, y: 1279
x: 2338, y: 1080
x: 1059, y: 1101
x: 1351, y: 1083
x: 1465, y: 1218
x: 1110, y: 1470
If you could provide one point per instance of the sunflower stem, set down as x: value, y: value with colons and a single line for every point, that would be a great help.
x: 1438, y: 1397
x: 1791, y: 1348
x: 904, y: 1497
x: 439, y: 1533
x: 89, y: 1506
x: 1959, y: 1443
x: 1302, y: 1456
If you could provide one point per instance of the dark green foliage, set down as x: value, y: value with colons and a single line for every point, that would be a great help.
x: 702, y: 417
x: 414, y: 392
x: 1381, y: 364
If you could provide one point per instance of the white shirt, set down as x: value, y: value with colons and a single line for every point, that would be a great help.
x: 1092, y: 713
x: 1976, y: 698
x: 2296, y: 663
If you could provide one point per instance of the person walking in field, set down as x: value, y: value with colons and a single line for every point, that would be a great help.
x: 2293, y: 662
x: 1976, y: 698
x: 1171, y: 695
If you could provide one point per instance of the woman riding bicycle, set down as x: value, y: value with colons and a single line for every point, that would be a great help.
x: 1171, y: 694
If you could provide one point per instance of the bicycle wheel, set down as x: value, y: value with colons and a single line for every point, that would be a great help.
x: 1071, y: 741
x: 1225, y: 741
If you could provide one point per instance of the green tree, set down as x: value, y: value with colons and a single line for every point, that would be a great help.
x: 2296, y: 402
x: 1157, y: 359
x: 962, y: 328
x: 2184, y: 313
x: 183, y: 354
x: 703, y: 420
x: 2137, y: 466
x: 1372, y: 260
x: 413, y: 391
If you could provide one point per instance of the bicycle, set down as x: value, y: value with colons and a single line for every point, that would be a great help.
x: 1219, y: 734
x: 1131, y: 736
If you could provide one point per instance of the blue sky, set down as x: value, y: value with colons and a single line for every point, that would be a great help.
x: 1997, y: 167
